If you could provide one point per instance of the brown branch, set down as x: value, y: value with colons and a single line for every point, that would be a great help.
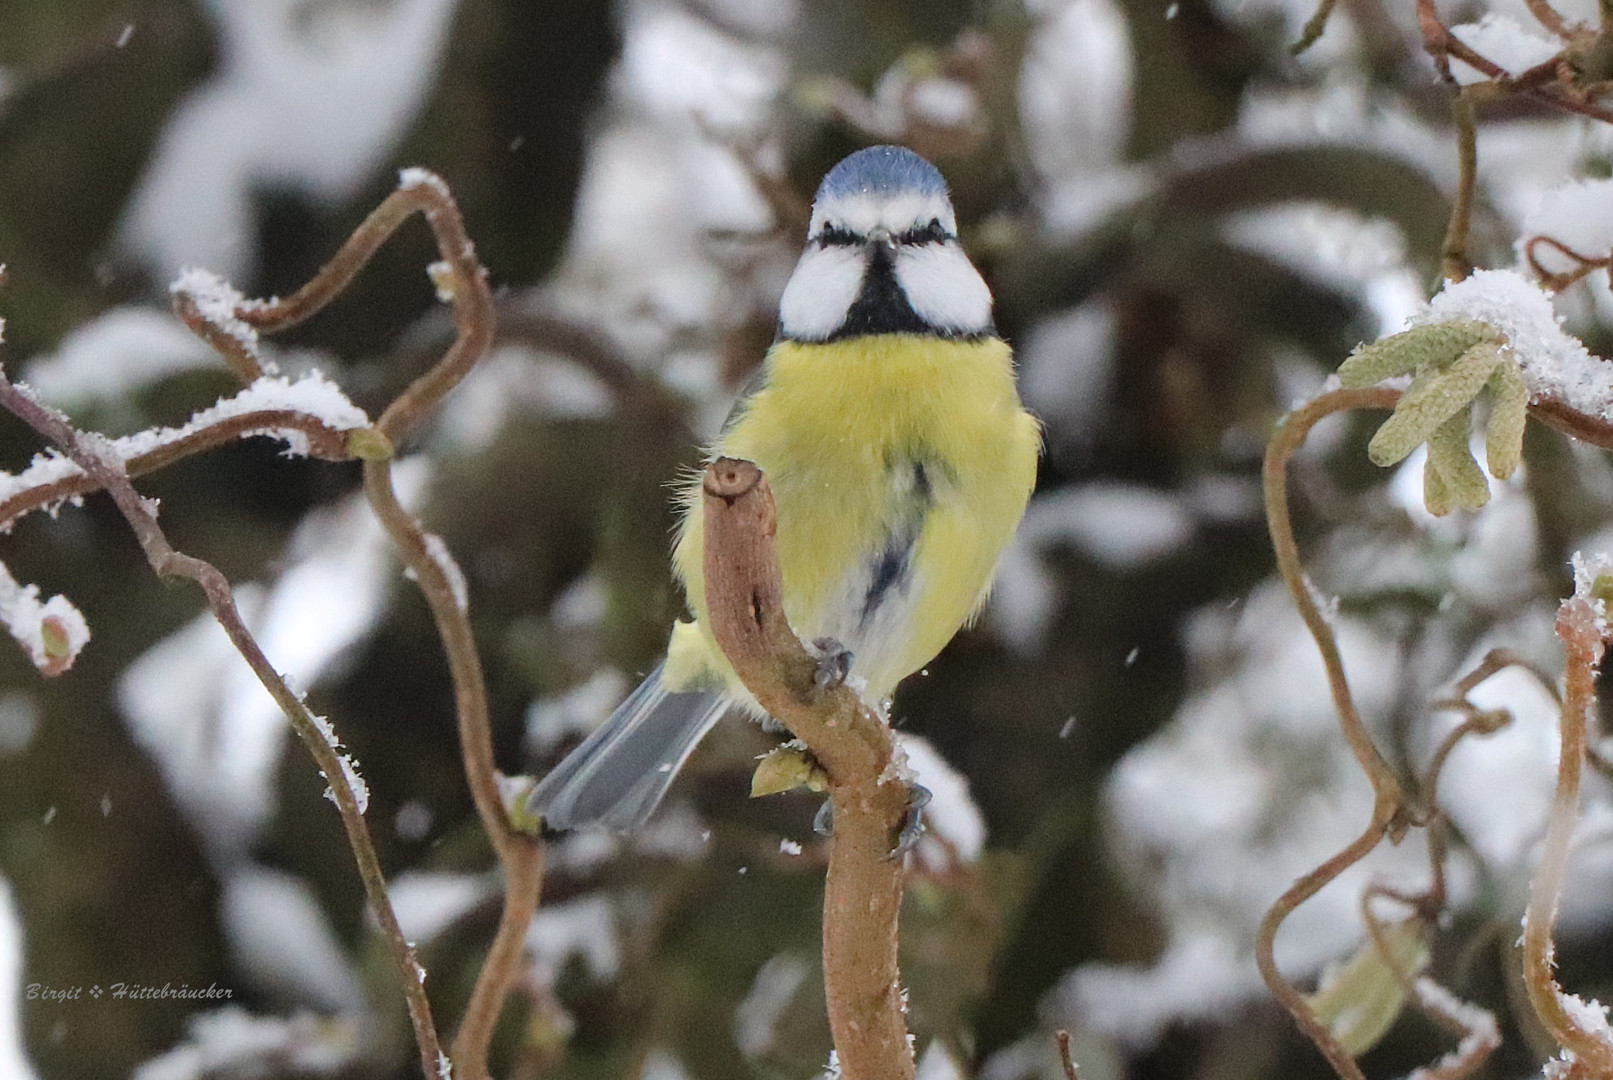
x: 1390, y: 812
x: 521, y: 855
x: 109, y: 474
x: 1286, y: 993
x: 1454, y: 260
x: 863, y: 891
x: 1578, y: 627
x: 1062, y: 1039
x: 469, y: 293
x: 324, y: 442
x: 233, y: 350
x: 1565, y: 418
x: 1290, y: 435
x: 461, y: 281
x: 1557, y: 282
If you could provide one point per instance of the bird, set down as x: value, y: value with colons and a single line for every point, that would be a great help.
x: 888, y: 424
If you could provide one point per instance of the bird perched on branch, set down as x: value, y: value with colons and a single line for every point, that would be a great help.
x: 889, y: 427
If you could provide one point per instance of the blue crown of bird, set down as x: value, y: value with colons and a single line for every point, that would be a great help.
x: 887, y: 422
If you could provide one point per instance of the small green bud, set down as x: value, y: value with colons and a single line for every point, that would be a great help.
x: 369, y: 444
x: 1509, y: 409
x: 1435, y: 396
x: 514, y: 790
x: 1434, y: 345
x: 1602, y: 589
x: 788, y: 767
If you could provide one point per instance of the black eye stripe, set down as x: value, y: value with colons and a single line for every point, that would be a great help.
x: 840, y: 236
x: 933, y: 233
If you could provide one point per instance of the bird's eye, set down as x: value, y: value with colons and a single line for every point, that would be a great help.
x: 933, y: 233
x: 837, y: 236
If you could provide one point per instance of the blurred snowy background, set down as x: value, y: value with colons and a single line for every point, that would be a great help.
x: 1133, y: 754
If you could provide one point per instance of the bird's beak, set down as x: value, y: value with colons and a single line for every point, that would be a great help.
x: 881, y: 236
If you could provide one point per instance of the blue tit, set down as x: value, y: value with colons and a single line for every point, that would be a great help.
x: 888, y: 424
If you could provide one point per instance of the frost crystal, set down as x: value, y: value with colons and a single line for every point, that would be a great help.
x: 417, y: 177
x: 218, y: 301
x: 361, y: 790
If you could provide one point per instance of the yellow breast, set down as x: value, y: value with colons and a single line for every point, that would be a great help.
x: 885, y: 453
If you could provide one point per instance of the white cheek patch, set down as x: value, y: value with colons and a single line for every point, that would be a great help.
x: 943, y: 288
x: 820, y: 293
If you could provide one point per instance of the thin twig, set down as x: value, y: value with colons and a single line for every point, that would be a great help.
x: 1287, y: 439
x: 1389, y: 814
x: 1453, y: 250
x: 471, y: 298
x: 1286, y: 993
x: 108, y: 473
x: 462, y: 281
x: 863, y: 891
x: 1578, y: 627
x: 1314, y: 26
x: 324, y: 442
x: 1062, y: 1038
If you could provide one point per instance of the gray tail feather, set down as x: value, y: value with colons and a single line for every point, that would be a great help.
x: 618, y: 775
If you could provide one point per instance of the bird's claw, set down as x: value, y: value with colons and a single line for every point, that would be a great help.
x: 834, y: 663
x: 823, y: 822
x: 918, y: 797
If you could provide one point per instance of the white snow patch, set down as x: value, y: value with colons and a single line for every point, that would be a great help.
x: 678, y: 68
x: 306, y: 98
x: 937, y: 1063
x: 1075, y: 91
x: 951, y: 814
x: 1339, y: 248
x: 756, y: 1018
x: 231, y: 1041
x: 428, y: 901
x: 585, y: 928
x: 355, y: 782
x: 197, y: 709
x: 13, y: 1058
x: 1504, y: 42
x: 280, y: 937
x: 1577, y: 215
x: 19, y: 720
x: 116, y: 354
x: 439, y: 553
x: 1066, y: 371
x: 1554, y: 363
x: 577, y: 711
x: 1248, y: 787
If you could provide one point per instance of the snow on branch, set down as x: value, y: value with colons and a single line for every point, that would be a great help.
x: 310, y: 415
x: 52, y: 633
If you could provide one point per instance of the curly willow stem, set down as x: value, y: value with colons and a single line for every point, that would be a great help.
x: 1581, y: 634
x: 109, y: 474
x: 1388, y: 804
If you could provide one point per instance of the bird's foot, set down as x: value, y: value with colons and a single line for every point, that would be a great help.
x: 834, y: 662
x: 918, y: 797
x: 823, y: 822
